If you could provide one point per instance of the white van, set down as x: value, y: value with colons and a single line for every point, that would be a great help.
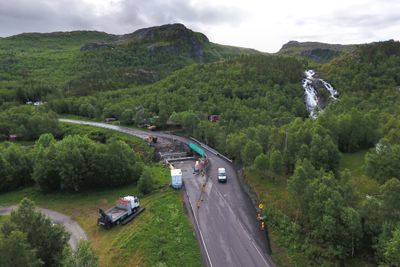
x: 221, y: 175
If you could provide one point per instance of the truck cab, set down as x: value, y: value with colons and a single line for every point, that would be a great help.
x: 221, y: 175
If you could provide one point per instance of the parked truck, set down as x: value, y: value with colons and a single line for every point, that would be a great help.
x: 126, y: 210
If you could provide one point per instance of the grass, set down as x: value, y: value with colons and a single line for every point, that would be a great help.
x: 270, y: 193
x: 354, y: 162
x: 161, y: 236
x: 361, y: 182
x: 3, y: 218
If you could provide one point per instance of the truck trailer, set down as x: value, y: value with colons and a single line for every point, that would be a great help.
x: 127, y: 209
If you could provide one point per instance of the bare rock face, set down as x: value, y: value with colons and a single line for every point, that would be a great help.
x: 169, y: 32
x: 172, y: 39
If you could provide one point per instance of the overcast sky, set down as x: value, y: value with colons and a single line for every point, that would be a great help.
x: 261, y: 24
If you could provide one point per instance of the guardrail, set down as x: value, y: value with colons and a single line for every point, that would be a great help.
x: 212, y: 150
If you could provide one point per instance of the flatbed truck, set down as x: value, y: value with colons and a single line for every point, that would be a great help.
x: 126, y: 209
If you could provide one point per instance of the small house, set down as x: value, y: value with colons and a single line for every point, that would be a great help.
x: 213, y: 118
x: 12, y: 137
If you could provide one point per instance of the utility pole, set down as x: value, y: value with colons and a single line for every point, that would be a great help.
x: 286, y: 139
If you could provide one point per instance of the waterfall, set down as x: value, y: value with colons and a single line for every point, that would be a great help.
x: 310, y: 93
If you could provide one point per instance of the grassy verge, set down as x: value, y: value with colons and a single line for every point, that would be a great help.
x: 161, y: 236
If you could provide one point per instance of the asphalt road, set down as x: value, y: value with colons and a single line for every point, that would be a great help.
x: 77, y: 233
x: 226, y: 222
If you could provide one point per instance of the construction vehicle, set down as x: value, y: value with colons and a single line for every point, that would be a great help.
x: 152, y: 127
x: 126, y: 210
x: 151, y: 139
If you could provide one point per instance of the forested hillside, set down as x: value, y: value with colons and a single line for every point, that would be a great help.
x: 36, y: 66
x: 321, y: 209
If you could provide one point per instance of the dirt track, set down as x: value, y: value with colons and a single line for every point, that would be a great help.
x: 70, y: 225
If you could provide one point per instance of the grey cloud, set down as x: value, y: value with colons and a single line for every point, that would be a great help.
x: 56, y: 15
x: 42, y: 15
x: 371, y: 15
x: 367, y: 20
x: 156, y: 12
x: 354, y: 23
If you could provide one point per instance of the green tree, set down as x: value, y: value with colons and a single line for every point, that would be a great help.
x: 386, y: 234
x: 383, y: 162
x: 121, y: 164
x: 127, y: 116
x: 6, y: 181
x: 391, y: 199
x: 250, y: 151
x: 188, y: 119
x: 15, y: 251
x: 84, y: 256
x: 392, y: 250
x: 372, y: 220
x: 234, y: 144
x: 41, y: 123
x: 45, y: 140
x: 261, y: 163
x: 352, y: 226
x: 276, y: 163
x: 303, y: 174
x: 20, y: 164
x: 87, y: 109
x: 324, y: 154
x: 49, y: 240
x: 45, y: 168
x: 146, y: 182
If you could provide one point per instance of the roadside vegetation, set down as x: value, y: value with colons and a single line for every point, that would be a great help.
x: 161, y: 235
x: 28, y: 238
x: 331, y: 185
x: 150, y: 240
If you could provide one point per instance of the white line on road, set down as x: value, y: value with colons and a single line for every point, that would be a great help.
x: 198, y: 227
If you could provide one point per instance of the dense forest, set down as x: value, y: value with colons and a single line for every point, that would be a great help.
x: 263, y: 125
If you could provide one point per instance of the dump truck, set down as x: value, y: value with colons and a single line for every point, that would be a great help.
x: 126, y: 210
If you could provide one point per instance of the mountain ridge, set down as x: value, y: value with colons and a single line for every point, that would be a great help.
x: 316, y: 51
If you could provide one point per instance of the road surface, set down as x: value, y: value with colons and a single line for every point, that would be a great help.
x: 225, y: 220
x: 72, y: 227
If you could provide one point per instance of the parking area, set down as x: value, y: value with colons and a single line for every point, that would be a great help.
x: 193, y: 182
